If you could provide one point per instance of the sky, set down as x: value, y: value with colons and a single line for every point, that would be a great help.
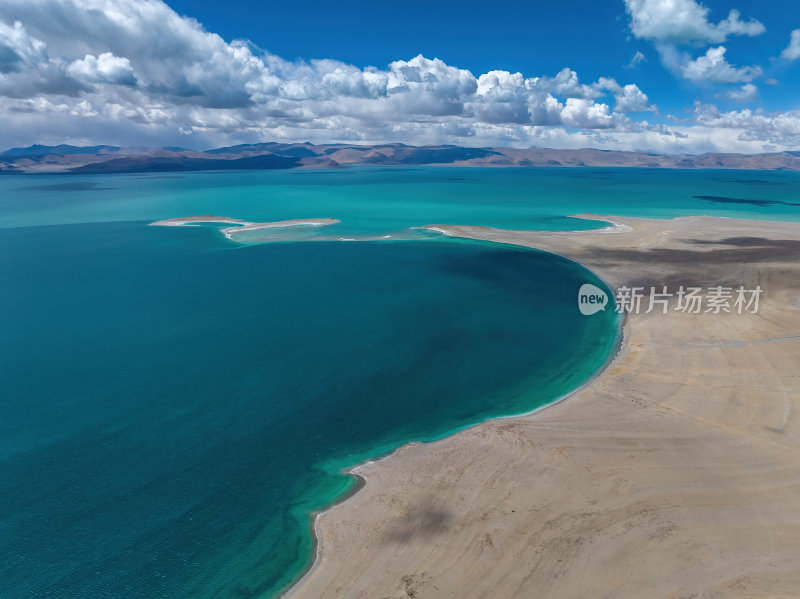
x: 647, y: 75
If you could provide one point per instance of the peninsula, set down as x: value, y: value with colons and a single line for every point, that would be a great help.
x: 677, y: 470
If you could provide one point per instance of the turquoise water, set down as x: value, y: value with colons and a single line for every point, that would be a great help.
x: 174, y: 405
x: 373, y: 200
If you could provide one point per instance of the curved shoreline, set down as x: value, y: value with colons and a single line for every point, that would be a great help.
x: 362, y: 479
x: 618, y: 482
x: 658, y: 478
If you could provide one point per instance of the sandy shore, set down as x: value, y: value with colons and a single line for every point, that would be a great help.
x: 187, y: 221
x: 239, y: 225
x: 676, y: 473
x: 243, y: 225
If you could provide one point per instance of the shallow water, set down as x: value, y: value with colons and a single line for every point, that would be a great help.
x: 173, y: 405
x: 376, y: 201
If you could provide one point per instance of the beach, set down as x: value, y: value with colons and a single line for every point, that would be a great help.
x: 675, y: 473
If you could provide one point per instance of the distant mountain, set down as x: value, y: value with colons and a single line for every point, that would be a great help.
x: 60, y: 150
x: 274, y: 155
x: 297, y: 150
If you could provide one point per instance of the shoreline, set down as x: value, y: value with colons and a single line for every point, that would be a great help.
x: 362, y: 479
x: 545, y: 241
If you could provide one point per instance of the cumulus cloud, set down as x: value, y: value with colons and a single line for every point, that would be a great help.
x: 26, y: 69
x: 105, y: 68
x: 134, y: 71
x: 779, y: 128
x: 174, y: 55
x: 629, y: 98
x: 673, y: 23
x: 565, y: 84
x: 18, y: 49
x: 509, y: 97
x: 685, y: 21
x: 713, y: 67
x: 792, y: 51
x: 129, y: 62
x: 583, y: 113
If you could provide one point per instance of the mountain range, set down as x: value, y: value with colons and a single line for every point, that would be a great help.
x: 274, y: 155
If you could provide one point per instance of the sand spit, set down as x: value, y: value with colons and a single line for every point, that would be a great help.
x: 242, y: 225
x: 196, y: 220
x: 675, y: 473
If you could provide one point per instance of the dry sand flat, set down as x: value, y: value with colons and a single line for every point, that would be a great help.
x: 676, y: 473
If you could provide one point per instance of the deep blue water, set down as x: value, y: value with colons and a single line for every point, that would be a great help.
x: 173, y: 404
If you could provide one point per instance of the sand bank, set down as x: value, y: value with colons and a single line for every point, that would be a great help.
x: 243, y: 225
x: 676, y: 473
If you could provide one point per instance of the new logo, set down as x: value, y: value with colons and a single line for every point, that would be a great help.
x: 591, y: 299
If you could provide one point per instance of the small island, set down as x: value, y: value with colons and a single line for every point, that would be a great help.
x: 239, y: 225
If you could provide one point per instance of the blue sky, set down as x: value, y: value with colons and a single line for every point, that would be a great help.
x: 715, y: 75
x: 530, y: 37
x: 589, y: 36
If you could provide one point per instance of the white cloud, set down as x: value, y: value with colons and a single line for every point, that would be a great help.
x: 105, y: 68
x: 583, y: 113
x: 18, y: 49
x: 632, y: 99
x: 672, y: 23
x: 345, y: 80
x: 629, y: 98
x: 780, y: 128
x: 139, y: 61
x: 509, y: 97
x: 564, y: 84
x: 26, y: 68
x: 685, y: 21
x: 792, y: 51
x: 173, y: 55
x: 636, y: 60
x: 713, y: 67
x: 135, y: 72
x: 747, y: 93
